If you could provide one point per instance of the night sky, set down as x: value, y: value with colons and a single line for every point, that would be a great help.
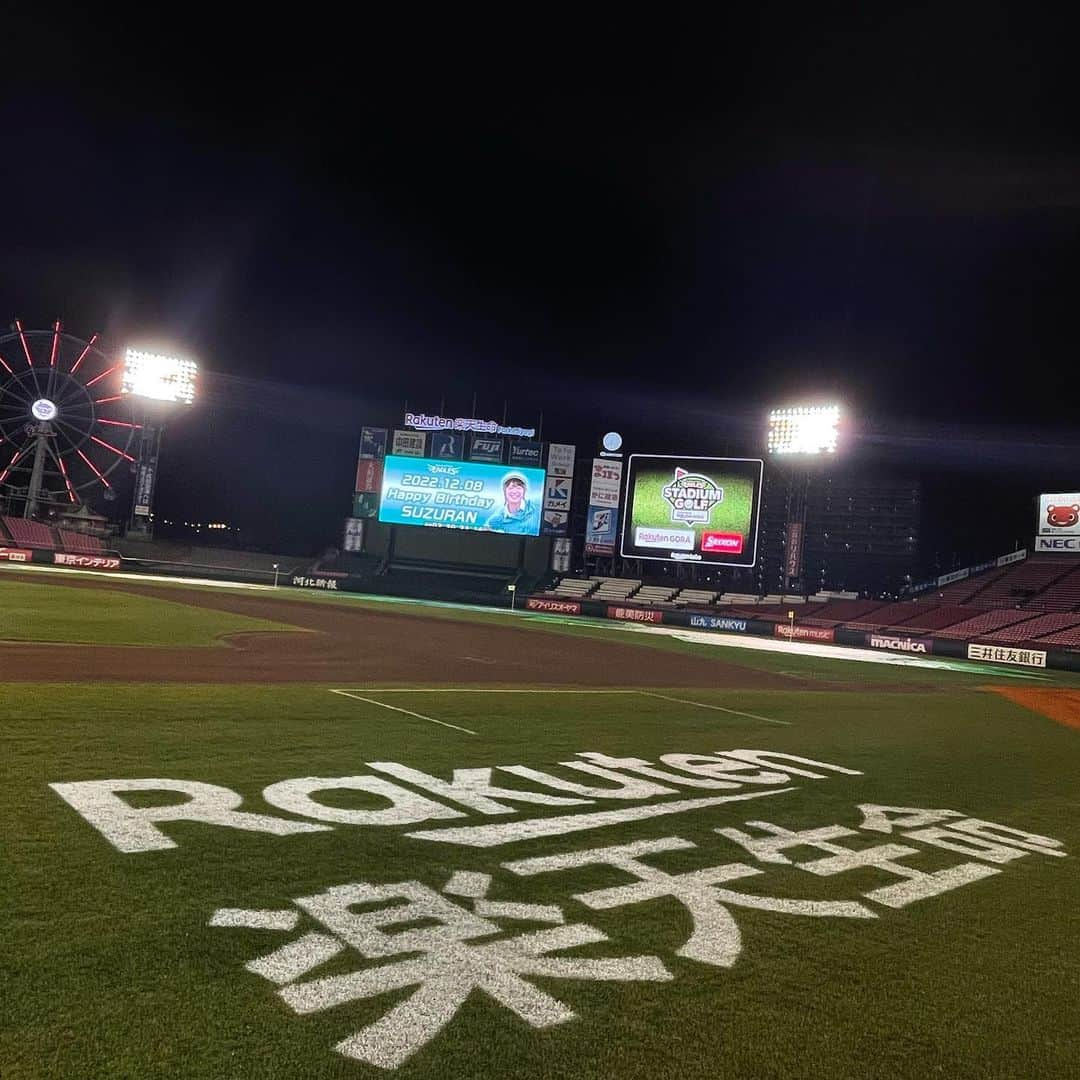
x: 662, y: 228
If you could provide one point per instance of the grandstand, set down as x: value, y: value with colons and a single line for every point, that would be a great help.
x: 1032, y: 601
x: 29, y: 534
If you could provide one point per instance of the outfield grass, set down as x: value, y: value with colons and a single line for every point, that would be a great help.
x: 45, y: 612
x: 110, y: 970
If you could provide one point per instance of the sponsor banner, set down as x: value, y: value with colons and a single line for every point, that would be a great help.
x: 560, y: 553
x: 557, y: 493
x: 1003, y: 654
x: 718, y: 622
x: 365, y: 504
x: 798, y: 632
x: 601, y: 529
x: 560, y: 460
x: 793, y: 549
x: 630, y: 614
x: 665, y: 539
x: 710, y: 504
x: 423, y: 422
x: 15, y: 554
x: 1015, y: 556
x: 409, y: 444
x: 1058, y: 544
x: 447, y: 445
x: 605, y: 487
x: 303, y: 581
x: 368, y: 474
x: 87, y: 562
x: 461, y: 495
x: 559, y: 607
x: 373, y: 442
x: 353, y: 539
x: 956, y: 575
x: 527, y: 452
x: 900, y: 643
x: 144, y: 488
x: 1059, y: 515
x: 555, y: 523
x: 489, y: 448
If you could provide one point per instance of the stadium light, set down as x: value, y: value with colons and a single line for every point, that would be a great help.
x: 158, y: 377
x: 807, y: 429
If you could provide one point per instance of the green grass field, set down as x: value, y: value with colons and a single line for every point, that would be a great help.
x: 110, y: 967
x: 46, y: 612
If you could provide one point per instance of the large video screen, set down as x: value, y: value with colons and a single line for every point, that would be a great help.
x: 692, y: 509
x: 462, y: 495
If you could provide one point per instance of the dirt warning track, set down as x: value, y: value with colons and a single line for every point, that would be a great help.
x: 346, y: 644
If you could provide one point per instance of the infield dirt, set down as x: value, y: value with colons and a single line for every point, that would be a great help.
x: 346, y: 644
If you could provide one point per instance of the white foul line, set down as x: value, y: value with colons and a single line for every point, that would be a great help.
x: 718, y: 708
x: 407, y: 712
x: 493, y: 835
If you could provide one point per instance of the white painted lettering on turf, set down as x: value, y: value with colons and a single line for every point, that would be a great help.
x: 132, y: 829
x: 442, y: 951
x: 406, y: 807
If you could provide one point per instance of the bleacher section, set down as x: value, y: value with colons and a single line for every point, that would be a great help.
x: 984, y: 623
x: 80, y: 543
x: 1023, y: 582
x: 653, y: 594
x: 1069, y: 639
x: 573, y: 588
x: 934, y: 617
x: 695, y: 597
x: 1063, y: 595
x: 29, y: 534
x: 1033, y: 629
x: 614, y: 588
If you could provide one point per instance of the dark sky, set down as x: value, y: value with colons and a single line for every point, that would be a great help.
x: 658, y: 227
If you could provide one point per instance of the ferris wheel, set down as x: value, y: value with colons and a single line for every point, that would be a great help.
x: 65, y: 426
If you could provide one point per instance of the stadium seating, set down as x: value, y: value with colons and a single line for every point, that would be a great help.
x: 960, y: 592
x: 1033, y: 629
x: 885, y: 615
x: 609, y: 588
x: 82, y: 543
x: 932, y: 617
x: 1023, y: 582
x: 1063, y: 595
x: 30, y: 534
x: 1069, y: 639
x: 573, y: 588
x: 654, y: 594
x: 695, y: 597
x: 983, y: 624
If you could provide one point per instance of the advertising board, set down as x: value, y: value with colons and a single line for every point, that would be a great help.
x: 799, y: 632
x: 489, y: 448
x: 605, y: 486
x: 601, y: 530
x: 15, y: 554
x: 899, y: 643
x: 527, y: 452
x: 561, y: 459
x: 1068, y: 545
x: 558, y: 607
x: 1002, y: 654
x: 718, y: 622
x: 630, y: 614
x: 692, y: 509
x: 373, y: 442
x: 408, y: 444
x: 353, y: 538
x: 368, y: 474
x: 461, y: 495
x: 447, y: 445
x: 1059, y: 515
x: 86, y: 562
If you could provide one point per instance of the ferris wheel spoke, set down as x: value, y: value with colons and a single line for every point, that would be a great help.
x: 94, y: 469
x: 53, y: 353
x: 83, y: 434
x: 5, y: 365
x: 13, y: 462
x: 83, y: 354
x: 63, y: 472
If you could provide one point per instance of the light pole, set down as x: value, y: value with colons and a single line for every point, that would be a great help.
x: 275, y: 574
x: 791, y: 625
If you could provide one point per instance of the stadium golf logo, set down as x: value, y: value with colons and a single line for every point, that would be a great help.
x: 692, y: 497
x: 470, y: 931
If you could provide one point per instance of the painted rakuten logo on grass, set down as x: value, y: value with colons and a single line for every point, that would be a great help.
x: 730, y: 543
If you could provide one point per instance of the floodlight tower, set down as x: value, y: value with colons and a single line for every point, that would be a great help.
x: 797, y: 437
x: 159, y: 385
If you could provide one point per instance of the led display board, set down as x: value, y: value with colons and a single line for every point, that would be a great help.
x: 692, y: 509
x: 461, y: 495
